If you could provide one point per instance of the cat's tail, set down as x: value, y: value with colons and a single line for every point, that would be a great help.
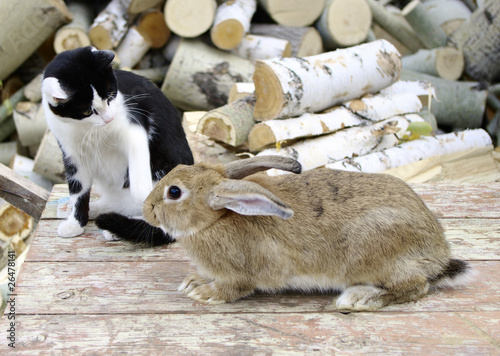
x: 136, y: 231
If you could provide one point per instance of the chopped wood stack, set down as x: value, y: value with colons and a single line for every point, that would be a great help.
x: 322, y: 81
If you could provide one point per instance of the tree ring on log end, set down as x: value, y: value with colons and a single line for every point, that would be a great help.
x: 349, y: 22
x: 100, y: 38
x: 227, y: 34
x: 268, y: 92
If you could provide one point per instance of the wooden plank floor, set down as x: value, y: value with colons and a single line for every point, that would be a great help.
x: 86, y: 295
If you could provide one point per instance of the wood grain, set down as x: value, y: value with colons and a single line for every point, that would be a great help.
x: 88, y: 295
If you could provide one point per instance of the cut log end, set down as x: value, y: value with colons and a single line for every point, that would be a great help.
x: 70, y: 38
x: 100, y: 38
x: 311, y: 44
x: 227, y: 34
x: 152, y: 25
x: 190, y: 18
x: 260, y: 137
x: 449, y: 63
x: 349, y: 22
x: 268, y: 92
x: 217, y: 129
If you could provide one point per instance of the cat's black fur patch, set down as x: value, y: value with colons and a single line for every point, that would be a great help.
x: 133, y: 230
x: 77, y: 71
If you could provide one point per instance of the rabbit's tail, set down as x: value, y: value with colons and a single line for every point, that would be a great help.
x: 455, y: 273
x: 136, y: 231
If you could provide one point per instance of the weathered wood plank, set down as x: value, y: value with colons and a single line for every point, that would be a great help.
x: 22, y: 193
x: 469, y: 239
x: 445, y: 200
x: 461, y: 200
x: 151, y: 287
x: 463, y: 333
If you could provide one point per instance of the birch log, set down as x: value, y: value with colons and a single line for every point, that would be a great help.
x: 190, y: 18
x: 151, y: 24
x: 135, y: 7
x: 230, y: 123
x: 74, y: 34
x: 200, y: 76
x: 443, y: 62
x: 344, y: 23
x: 109, y: 26
x: 380, y: 107
x: 33, y: 90
x: 30, y: 122
x: 426, y: 27
x: 7, y: 151
x: 240, y: 90
x: 7, y: 128
x: 354, y: 141
x: 296, y: 13
x: 413, y: 151
x: 271, y: 132
x: 254, y: 47
x: 232, y: 22
x: 305, y: 41
x: 479, y: 39
x: 133, y: 47
x: 353, y: 113
x: 48, y: 160
x: 396, y: 25
x: 447, y: 14
x: 291, y: 86
x: 457, y: 104
x: 25, y: 26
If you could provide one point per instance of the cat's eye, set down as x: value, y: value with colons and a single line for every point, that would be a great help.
x: 88, y: 111
x: 174, y: 192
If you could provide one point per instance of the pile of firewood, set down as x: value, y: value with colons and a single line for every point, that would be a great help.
x: 338, y: 83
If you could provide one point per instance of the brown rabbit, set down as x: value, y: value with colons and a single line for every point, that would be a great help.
x: 367, y: 235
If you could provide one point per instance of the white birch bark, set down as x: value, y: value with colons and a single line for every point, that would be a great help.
x: 109, y: 26
x: 132, y: 48
x: 413, y: 151
x: 317, y: 152
x: 30, y: 123
x: 239, y: 91
x: 190, y: 18
x: 253, y: 47
x: 74, y: 34
x: 447, y: 14
x: 352, y: 113
x: 201, y: 76
x: 291, y: 86
x: 305, y: 41
x: 427, y: 28
x: 232, y: 22
x: 25, y: 25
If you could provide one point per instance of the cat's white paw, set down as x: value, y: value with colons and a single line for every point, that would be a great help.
x: 69, y: 229
x: 108, y: 236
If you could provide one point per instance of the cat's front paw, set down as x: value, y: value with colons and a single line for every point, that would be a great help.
x: 109, y: 236
x: 69, y: 229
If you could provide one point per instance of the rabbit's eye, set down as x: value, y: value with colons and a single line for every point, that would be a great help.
x: 174, y: 192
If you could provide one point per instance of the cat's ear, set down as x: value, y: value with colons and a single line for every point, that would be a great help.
x: 103, y: 58
x: 53, y: 91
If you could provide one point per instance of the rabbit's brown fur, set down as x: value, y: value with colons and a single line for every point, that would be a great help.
x: 368, y: 235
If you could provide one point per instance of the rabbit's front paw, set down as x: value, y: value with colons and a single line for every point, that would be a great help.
x: 192, y: 281
x: 206, y: 293
x: 69, y: 229
x: 360, y: 298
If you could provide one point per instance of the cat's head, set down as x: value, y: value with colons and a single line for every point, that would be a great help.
x: 80, y: 84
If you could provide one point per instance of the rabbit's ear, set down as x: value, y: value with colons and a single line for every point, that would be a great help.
x: 245, y: 167
x: 248, y: 198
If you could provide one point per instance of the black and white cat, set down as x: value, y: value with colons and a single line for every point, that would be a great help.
x: 119, y: 134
